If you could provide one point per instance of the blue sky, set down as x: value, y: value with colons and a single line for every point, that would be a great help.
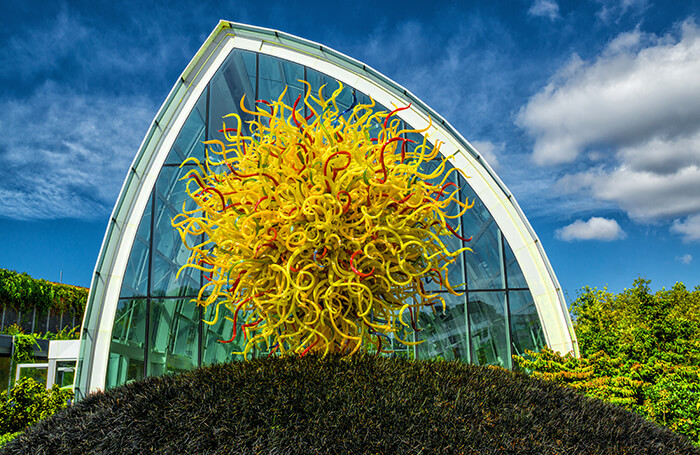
x: 589, y: 112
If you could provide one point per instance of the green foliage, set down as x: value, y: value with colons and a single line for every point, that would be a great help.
x: 674, y: 401
x: 65, y: 333
x: 23, y: 350
x: 22, y: 292
x: 28, y: 402
x: 7, y: 437
x: 365, y: 404
x: 598, y: 376
x: 637, y: 324
x: 639, y: 350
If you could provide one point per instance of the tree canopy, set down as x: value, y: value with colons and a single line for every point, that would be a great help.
x: 639, y: 349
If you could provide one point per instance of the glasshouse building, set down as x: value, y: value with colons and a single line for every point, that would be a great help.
x: 140, y: 320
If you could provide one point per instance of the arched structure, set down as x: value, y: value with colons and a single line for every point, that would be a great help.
x: 139, y: 320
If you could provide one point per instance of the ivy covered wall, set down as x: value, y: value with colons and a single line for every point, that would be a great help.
x: 38, y: 305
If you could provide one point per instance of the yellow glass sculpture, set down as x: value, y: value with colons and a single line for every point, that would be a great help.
x: 318, y: 236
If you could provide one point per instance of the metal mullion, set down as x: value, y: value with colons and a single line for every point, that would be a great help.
x: 147, y: 335
x: 200, y: 329
x: 306, y: 87
x: 257, y: 74
x: 461, y: 181
x: 509, y: 347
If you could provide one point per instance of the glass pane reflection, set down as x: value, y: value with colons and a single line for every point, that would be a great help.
x: 169, y: 253
x: 190, y: 141
x: 173, y: 335
x: 485, y: 264
x: 445, y: 333
x: 126, y: 351
x: 214, y: 350
x: 487, y: 317
x: 135, y: 281
x: 225, y: 93
x: 526, y: 330
x: 516, y: 279
x: 275, y: 75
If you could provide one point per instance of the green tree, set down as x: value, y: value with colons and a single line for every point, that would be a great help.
x: 639, y: 349
x: 28, y: 402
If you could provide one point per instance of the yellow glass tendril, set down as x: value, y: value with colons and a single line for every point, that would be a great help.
x: 318, y: 236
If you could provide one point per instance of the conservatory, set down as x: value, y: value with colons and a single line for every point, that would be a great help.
x: 140, y: 320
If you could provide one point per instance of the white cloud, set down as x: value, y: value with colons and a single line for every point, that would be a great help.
x: 42, y: 48
x: 613, y: 10
x: 64, y: 154
x: 634, y: 111
x: 70, y: 42
x: 596, y: 228
x: 685, y: 259
x: 625, y: 97
x: 545, y: 8
x: 436, y: 63
x: 688, y: 228
x: 644, y: 195
x: 489, y: 151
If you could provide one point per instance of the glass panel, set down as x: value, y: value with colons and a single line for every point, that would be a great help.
x: 445, y: 332
x: 487, y: 317
x: 526, y: 330
x: 54, y: 322
x: 128, y: 343
x: 225, y: 92
x: 174, y: 327
x: 135, y: 283
x: 485, y: 264
x: 4, y: 373
x: 453, y: 243
x: 37, y: 373
x: 10, y: 316
x: 169, y: 253
x: 249, y: 59
x: 65, y: 373
x: 40, y: 323
x: 26, y: 319
x: 275, y: 75
x: 189, y: 142
x: 516, y: 279
x: 214, y: 350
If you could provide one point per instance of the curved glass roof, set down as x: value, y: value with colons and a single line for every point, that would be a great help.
x: 140, y: 321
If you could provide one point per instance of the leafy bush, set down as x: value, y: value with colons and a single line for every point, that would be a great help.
x: 5, y: 438
x: 28, y: 402
x: 638, y: 324
x: 338, y: 405
x: 674, y: 401
x: 665, y: 393
x: 638, y: 349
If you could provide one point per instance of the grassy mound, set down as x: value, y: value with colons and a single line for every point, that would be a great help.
x: 335, y: 405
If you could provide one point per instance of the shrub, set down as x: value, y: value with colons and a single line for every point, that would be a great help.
x: 28, y: 402
x: 660, y: 391
x: 338, y: 405
x: 5, y: 438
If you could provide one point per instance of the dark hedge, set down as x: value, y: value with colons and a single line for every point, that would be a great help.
x: 336, y: 405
